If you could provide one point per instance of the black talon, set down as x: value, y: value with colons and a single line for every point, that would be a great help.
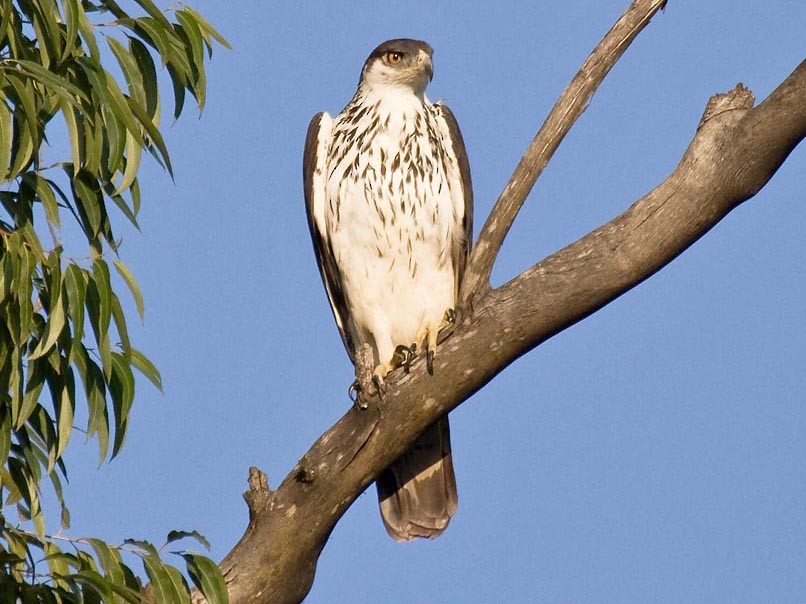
x: 429, y: 362
x: 450, y: 315
x: 404, y: 355
x: 401, y: 357
x: 354, y: 392
x: 378, y: 386
x: 411, y: 351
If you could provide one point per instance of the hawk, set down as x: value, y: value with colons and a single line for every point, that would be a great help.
x: 389, y: 204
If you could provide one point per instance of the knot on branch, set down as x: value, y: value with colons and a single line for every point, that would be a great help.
x: 740, y: 98
x: 259, y: 496
x: 304, y: 472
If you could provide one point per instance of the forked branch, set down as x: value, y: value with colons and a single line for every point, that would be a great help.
x: 735, y: 151
x: 568, y: 108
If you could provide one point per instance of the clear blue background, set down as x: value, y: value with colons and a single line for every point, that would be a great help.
x: 656, y: 452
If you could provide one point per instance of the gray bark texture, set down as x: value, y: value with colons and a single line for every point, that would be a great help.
x: 736, y: 149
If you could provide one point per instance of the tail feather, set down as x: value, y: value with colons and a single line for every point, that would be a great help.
x: 417, y: 493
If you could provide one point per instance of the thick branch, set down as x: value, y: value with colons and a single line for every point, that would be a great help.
x: 568, y: 108
x: 735, y: 151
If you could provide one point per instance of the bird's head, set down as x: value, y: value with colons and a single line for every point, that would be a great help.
x: 399, y: 63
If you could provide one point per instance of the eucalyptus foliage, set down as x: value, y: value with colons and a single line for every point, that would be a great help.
x: 63, y: 336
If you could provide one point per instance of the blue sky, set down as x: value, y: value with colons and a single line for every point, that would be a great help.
x: 656, y: 452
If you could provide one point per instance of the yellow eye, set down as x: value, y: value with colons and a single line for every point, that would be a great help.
x: 393, y: 58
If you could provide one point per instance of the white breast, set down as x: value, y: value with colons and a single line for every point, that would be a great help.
x: 390, y: 219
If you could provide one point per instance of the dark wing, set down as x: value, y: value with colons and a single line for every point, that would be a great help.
x: 461, y: 251
x: 315, y: 200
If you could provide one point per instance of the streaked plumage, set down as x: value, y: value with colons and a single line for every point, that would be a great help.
x: 389, y: 201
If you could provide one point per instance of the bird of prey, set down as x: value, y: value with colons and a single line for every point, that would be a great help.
x: 389, y: 204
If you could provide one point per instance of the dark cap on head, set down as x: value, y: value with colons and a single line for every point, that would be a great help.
x: 399, y: 62
x: 401, y: 45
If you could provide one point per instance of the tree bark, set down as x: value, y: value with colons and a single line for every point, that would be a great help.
x: 736, y: 149
x: 568, y: 108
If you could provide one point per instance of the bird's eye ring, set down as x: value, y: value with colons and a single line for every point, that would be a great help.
x: 393, y: 58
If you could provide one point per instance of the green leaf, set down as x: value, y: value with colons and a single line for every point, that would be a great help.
x: 131, y: 283
x: 131, y: 71
x: 50, y: 64
x: 134, y: 152
x: 76, y: 135
x: 95, y: 391
x: 57, y: 563
x: 48, y: 200
x: 146, y: 547
x: 206, y: 575
x: 207, y: 28
x: 35, y: 381
x: 177, y: 535
x: 180, y: 586
x: 29, y: 440
x: 89, y: 202
x: 6, y: 136
x: 6, y: 10
x: 147, y: 368
x: 42, y: 425
x: 154, y: 12
x: 15, y: 382
x: 103, y: 286
x: 118, y: 200
x: 5, y: 435
x: 161, y: 582
x: 21, y: 479
x: 47, y: 15
x: 49, y: 79
x: 57, y: 488
x: 109, y: 561
x: 134, y: 192
x: 179, y: 84
x: 154, y: 133
x: 71, y: 16
x: 120, y: 105
x: 65, y: 411
x: 192, y: 35
x: 25, y: 291
x: 76, y: 287
x: 148, y: 73
x: 87, y: 32
x: 27, y: 99
x: 127, y: 593
x: 153, y: 34
x: 94, y: 137
x: 22, y: 152
x: 116, y: 136
x: 120, y: 324
x: 56, y: 312
x: 122, y: 389
x: 100, y: 316
x: 96, y: 582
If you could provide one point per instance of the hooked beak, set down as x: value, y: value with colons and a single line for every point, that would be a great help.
x: 426, y: 64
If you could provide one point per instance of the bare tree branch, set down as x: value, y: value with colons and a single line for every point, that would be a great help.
x: 735, y: 151
x: 568, y: 108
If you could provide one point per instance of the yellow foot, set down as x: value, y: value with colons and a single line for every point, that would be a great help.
x: 428, y: 336
x: 379, y: 376
x: 427, y: 340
